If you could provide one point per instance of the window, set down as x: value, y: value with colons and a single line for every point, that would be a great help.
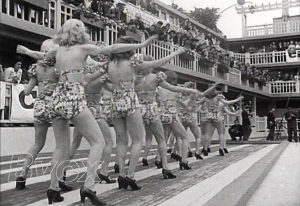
x: 163, y: 16
x: 171, y: 20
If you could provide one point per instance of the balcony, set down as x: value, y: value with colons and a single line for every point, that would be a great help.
x: 284, y: 87
x: 269, y: 58
x: 273, y: 29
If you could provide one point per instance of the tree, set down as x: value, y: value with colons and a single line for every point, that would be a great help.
x: 208, y: 17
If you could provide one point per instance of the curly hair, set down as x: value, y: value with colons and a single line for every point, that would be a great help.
x: 72, y: 32
x: 48, y: 45
x: 124, y: 55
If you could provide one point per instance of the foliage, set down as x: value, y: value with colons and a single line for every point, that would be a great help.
x: 206, y: 16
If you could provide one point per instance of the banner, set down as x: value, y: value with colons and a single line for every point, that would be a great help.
x: 22, y: 106
x: 2, y: 94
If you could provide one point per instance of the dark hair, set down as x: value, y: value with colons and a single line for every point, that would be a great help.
x: 124, y: 55
x: 171, y: 77
x: 17, y: 59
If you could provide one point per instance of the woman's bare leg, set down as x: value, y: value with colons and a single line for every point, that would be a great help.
x: 157, y: 130
x: 122, y: 142
x: 148, y: 144
x: 40, y: 138
x: 88, y: 127
x: 179, y: 131
x: 108, y: 147
x: 135, y: 128
x: 196, y: 132
x: 77, y: 137
x: 61, y: 153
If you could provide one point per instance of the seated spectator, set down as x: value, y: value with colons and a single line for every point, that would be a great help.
x: 153, y: 8
x: 274, y: 47
x: 1, y: 74
x: 14, y: 74
x: 285, y: 47
x: 194, y: 43
x: 297, y: 76
x: 120, y: 14
x: 187, y: 43
x: 236, y: 130
x: 298, y: 45
x: 96, y: 6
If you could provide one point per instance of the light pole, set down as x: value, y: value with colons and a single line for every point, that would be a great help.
x: 252, y: 8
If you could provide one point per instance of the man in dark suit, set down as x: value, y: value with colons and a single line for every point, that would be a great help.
x: 290, y: 117
x: 236, y: 130
x: 271, y: 125
x: 246, y: 122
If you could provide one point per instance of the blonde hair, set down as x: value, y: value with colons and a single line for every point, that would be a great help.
x: 48, y: 45
x: 72, y: 32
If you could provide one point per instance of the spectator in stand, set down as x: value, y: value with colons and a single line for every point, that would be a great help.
x: 194, y: 44
x: 143, y: 4
x: 159, y: 24
x: 285, y: 47
x: 178, y: 39
x: 286, y: 77
x: 153, y: 30
x: 297, y: 76
x: 292, y: 45
x: 246, y: 122
x: 290, y: 117
x: 108, y: 9
x: 14, y: 74
x: 298, y: 45
x: 153, y: 8
x: 242, y: 50
x: 271, y: 125
x: 209, y: 39
x: 274, y: 47
x: 280, y: 47
x: 279, y: 76
x: 185, y: 25
x: 163, y: 36
x: 236, y: 130
x: 120, y: 14
x: 171, y: 36
x: 1, y: 74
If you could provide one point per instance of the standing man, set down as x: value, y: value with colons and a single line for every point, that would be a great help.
x: 246, y: 123
x: 290, y: 117
x: 271, y: 125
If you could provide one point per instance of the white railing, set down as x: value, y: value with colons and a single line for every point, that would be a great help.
x: 284, y: 87
x: 268, y: 57
x: 235, y: 76
x: 147, y: 17
x: 276, y: 28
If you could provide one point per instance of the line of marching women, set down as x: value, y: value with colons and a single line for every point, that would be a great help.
x: 120, y: 89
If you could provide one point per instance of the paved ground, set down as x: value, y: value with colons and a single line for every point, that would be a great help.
x: 253, y: 173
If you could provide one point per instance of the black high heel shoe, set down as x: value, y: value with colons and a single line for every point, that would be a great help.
x: 145, y: 162
x: 169, y: 151
x: 54, y: 196
x: 105, y: 178
x: 121, y: 183
x: 208, y: 149
x: 167, y: 174
x: 221, y: 152
x: 20, y: 183
x: 85, y: 192
x: 174, y: 156
x: 225, y: 150
x: 190, y: 154
x: 184, y: 165
x: 131, y: 183
x: 205, y: 153
x: 117, y: 168
x: 64, y: 187
x: 158, y: 164
x: 198, y: 156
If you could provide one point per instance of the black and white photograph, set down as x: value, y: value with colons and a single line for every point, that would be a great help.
x: 150, y: 102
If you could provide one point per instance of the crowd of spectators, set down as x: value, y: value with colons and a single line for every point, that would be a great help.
x: 290, y: 46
